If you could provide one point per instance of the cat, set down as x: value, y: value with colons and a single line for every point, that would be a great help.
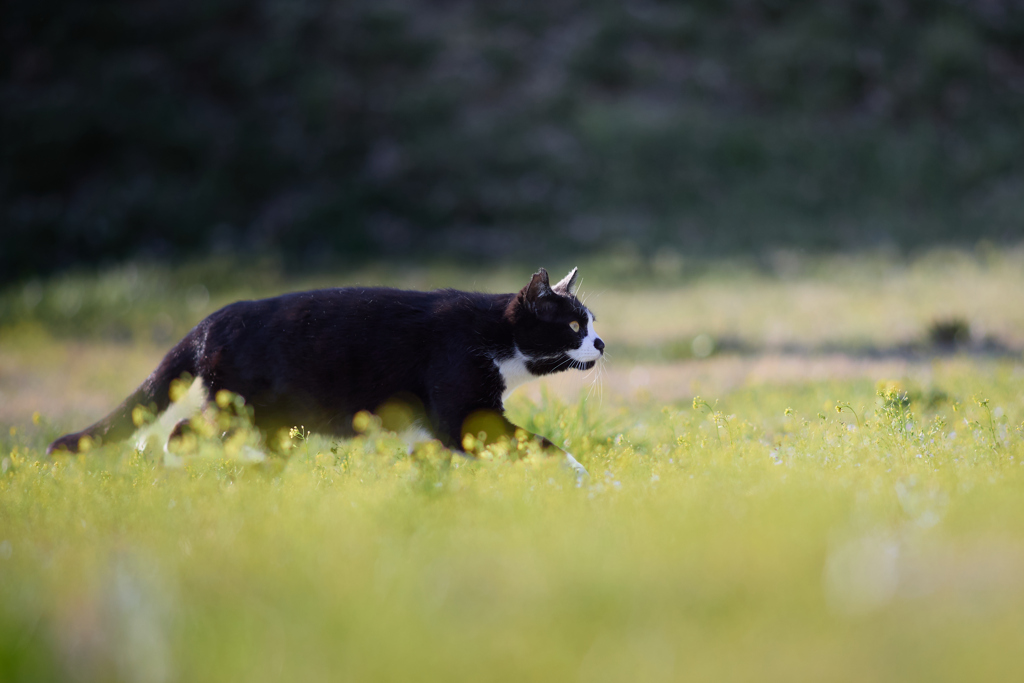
x: 446, y: 358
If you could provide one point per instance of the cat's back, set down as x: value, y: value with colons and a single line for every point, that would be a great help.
x: 321, y: 308
x: 342, y: 349
x: 359, y: 319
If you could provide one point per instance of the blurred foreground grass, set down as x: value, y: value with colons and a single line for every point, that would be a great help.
x: 756, y: 533
x: 766, y: 537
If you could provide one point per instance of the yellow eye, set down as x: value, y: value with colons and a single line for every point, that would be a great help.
x: 575, y: 326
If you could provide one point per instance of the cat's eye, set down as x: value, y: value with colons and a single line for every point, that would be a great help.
x: 575, y: 326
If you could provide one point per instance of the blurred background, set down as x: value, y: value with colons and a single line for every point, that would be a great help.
x: 330, y: 132
x: 809, y: 213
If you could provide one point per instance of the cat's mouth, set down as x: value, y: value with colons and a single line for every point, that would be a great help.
x: 584, y: 365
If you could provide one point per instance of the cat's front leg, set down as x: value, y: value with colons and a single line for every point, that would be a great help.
x: 573, y: 464
x: 494, y: 425
x: 553, y: 450
x: 455, y: 419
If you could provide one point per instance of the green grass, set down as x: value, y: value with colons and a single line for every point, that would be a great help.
x: 770, y: 539
x: 754, y: 534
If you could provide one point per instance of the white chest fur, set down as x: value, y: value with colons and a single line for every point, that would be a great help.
x: 513, y: 372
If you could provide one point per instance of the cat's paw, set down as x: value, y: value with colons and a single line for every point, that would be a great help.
x: 576, y: 467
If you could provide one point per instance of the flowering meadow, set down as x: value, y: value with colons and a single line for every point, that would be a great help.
x: 742, y: 520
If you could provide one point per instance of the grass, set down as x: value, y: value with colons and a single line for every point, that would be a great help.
x: 753, y: 532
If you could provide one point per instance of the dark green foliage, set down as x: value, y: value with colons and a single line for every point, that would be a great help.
x: 364, y: 127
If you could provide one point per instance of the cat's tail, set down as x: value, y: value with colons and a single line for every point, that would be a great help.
x: 119, y: 425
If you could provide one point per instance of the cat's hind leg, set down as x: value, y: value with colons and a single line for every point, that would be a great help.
x: 175, y: 419
x: 153, y: 392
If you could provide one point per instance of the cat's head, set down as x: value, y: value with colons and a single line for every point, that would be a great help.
x: 552, y: 328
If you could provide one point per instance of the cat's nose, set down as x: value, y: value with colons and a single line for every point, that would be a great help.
x: 599, y: 345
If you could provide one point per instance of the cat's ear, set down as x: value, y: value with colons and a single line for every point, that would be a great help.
x: 537, y: 296
x: 538, y: 288
x: 567, y: 283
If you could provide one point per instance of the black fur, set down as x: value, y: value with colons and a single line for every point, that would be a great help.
x: 316, y: 358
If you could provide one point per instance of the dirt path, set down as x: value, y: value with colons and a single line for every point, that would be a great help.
x: 76, y: 383
x: 685, y: 379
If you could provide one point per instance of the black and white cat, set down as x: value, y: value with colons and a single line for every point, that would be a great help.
x: 317, y: 358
